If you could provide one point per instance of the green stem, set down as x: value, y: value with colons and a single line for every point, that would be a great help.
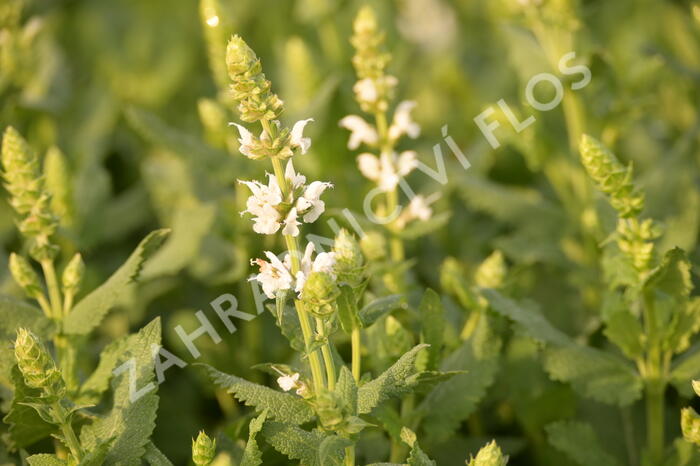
x: 350, y: 456
x: 655, y: 420
x: 293, y: 249
x: 68, y: 433
x: 54, y: 290
x: 356, y: 341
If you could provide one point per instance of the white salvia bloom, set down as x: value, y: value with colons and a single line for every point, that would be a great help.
x: 366, y: 90
x: 297, y: 139
x: 245, y: 140
x: 296, y: 180
x: 402, y: 123
x: 262, y: 205
x: 310, y: 201
x: 407, y: 162
x: 388, y: 169
x: 291, y: 225
x: 274, y: 276
x: 360, y: 131
x: 418, y: 209
x: 324, y: 262
x: 288, y: 382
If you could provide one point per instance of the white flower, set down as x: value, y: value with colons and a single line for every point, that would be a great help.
x: 274, y: 276
x: 288, y: 382
x: 324, y: 262
x: 310, y: 202
x: 360, y: 131
x: 388, y: 169
x: 403, y: 124
x: 291, y: 225
x: 262, y: 205
x: 366, y: 90
x: 418, y: 209
x: 245, y: 140
x: 297, y: 139
x: 295, y: 179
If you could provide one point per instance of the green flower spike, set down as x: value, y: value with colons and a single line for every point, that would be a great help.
x: 203, y: 450
x: 25, y: 276
x: 490, y: 455
x: 349, y: 261
x: 37, y: 367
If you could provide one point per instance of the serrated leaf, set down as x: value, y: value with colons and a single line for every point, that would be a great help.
x: 98, y: 382
x: 432, y: 317
x: 46, y: 460
x: 672, y: 276
x: 686, y: 368
x: 154, y: 457
x: 391, y: 383
x: 417, y: 456
x: 252, y: 456
x: 281, y: 406
x: 591, y: 372
x: 90, y: 311
x: 302, y: 445
x: 580, y: 443
x: 478, y: 356
x: 346, y: 389
x: 190, y: 224
x: 595, y: 374
x: 15, y: 313
x: 26, y: 425
x: 626, y: 332
x: 378, y: 308
x: 129, y: 423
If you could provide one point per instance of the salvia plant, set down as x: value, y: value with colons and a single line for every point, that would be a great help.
x: 536, y: 305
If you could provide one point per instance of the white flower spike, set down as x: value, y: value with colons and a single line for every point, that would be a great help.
x: 245, y: 140
x: 360, y: 131
x: 274, y: 276
x: 324, y: 262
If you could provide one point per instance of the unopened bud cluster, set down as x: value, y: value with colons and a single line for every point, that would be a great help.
x: 249, y: 86
x: 374, y: 89
x: 25, y: 276
x: 27, y: 195
x: 490, y: 455
x: 611, y: 177
x: 73, y: 275
x: 334, y: 416
x: 349, y: 261
x: 203, y: 450
x: 37, y: 366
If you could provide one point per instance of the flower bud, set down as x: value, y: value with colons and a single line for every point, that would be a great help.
x: 203, y: 450
x: 612, y: 177
x: 319, y: 294
x: 349, y: 261
x: 490, y: 455
x: 35, y: 364
x: 25, y: 276
x: 21, y: 171
x: 491, y: 272
x: 58, y: 183
x: 73, y: 274
x: 240, y: 58
x: 690, y: 425
x: 373, y: 246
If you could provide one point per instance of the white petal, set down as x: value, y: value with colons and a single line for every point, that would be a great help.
x: 324, y: 262
x: 294, y: 178
x: 297, y: 139
x: 408, y: 160
x: 369, y: 166
x: 366, y: 90
x: 291, y: 225
x: 317, y: 209
x: 315, y: 189
x: 402, y: 122
x: 361, y: 131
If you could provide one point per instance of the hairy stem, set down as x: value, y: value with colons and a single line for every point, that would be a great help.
x: 67, y: 431
x: 356, y: 341
x: 54, y: 290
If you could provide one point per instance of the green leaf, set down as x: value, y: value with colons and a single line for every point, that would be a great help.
x: 378, y: 308
x: 98, y: 382
x: 252, y: 455
x: 131, y: 420
x: 478, y: 356
x: 26, y: 426
x: 90, y: 311
x: 281, y: 406
x: 346, y: 389
x: 416, y: 457
x: 591, y: 372
x: 580, y: 443
x: 46, y: 460
x: 686, y: 368
x: 347, y: 309
x: 302, y: 445
x: 392, y: 383
x: 672, y: 276
x: 595, y: 374
x: 626, y: 332
x: 190, y: 224
x: 15, y: 313
x: 155, y: 457
x: 432, y: 316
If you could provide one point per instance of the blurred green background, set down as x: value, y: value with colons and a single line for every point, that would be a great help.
x: 133, y: 92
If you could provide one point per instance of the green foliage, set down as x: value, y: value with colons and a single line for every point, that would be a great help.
x: 579, y: 442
